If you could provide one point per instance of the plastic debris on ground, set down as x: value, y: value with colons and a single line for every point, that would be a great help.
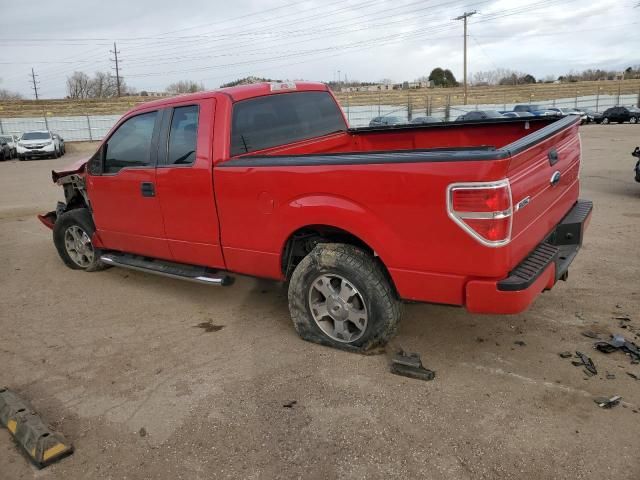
x: 618, y: 342
x: 587, y: 363
x: 608, y: 402
x: 410, y: 365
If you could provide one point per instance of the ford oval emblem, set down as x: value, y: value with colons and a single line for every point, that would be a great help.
x: 555, y: 178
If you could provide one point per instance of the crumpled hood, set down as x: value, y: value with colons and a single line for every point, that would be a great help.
x: 76, y: 167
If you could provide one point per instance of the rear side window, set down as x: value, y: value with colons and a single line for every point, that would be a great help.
x: 274, y: 120
x: 183, y: 136
x: 130, y: 145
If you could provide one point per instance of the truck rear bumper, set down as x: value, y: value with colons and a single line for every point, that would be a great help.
x: 543, y: 267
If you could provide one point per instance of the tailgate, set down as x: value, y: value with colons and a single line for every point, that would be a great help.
x: 543, y: 173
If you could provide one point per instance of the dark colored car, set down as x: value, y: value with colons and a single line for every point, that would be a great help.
x: 5, y: 149
x: 423, y: 120
x: 386, y: 120
x: 479, y: 115
x: 620, y: 115
x: 636, y: 153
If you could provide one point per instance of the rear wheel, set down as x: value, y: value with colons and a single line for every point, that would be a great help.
x: 341, y: 297
x: 72, y: 234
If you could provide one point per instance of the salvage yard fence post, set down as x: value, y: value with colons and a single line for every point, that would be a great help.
x: 89, y: 128
x: 1, y: 127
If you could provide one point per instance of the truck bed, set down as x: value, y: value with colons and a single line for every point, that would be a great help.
x: 453, y: 136
x: 388, y: 186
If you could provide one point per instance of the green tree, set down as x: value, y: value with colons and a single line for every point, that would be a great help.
x: 443, y: 77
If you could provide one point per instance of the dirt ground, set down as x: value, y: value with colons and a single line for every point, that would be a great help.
x: 116, y: 362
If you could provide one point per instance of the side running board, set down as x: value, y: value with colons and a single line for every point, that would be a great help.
x: 165, y: 268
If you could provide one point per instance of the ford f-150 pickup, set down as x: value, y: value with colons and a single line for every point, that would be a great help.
x: 268, y: 180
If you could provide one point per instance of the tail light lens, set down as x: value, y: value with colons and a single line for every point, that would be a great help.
x: 484, y: 210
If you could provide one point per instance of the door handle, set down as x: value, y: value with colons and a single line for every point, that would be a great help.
x: 147, y: 189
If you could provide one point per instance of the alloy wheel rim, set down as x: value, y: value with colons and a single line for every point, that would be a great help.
x: 78, y: 246
x: 338, y: 308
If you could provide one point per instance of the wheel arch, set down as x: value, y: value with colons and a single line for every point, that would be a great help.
x: 301, y: 241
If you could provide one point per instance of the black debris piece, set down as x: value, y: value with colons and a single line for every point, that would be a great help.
x: 608, y: 402
x: 410, y: 365
x: 143, y: 432
x: 519, y: 343
x: 290, y: 404
x: 590, y: 334
x: 586, y: 362
x: 618, y: 342
x: 565, y: 354
x: 611, y: 376
x: 209, y: 327
x: 633, y: 375
x: 624, y: 318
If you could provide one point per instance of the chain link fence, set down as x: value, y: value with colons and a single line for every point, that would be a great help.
x: 448, y: 110
x: 73, y: 128
x: 444, y: 107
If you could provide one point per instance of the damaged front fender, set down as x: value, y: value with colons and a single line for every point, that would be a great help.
x: 71, y: 179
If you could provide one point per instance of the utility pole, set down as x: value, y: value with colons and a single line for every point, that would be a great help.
x: 115, y: 54
x: 34, y: 82
x: 464, y: 17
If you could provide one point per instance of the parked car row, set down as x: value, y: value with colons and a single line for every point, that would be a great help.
x: 36, y: 144
x: 610, y: 115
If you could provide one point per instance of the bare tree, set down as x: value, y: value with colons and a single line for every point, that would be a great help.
x: 185, y: 86
x: 102, y: 85
x: 9, y: 95
x: 78, y: 85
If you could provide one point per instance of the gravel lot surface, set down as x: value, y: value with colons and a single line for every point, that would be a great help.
x: 116, y: 362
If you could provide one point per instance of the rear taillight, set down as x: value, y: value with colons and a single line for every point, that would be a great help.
x: 482, y: 209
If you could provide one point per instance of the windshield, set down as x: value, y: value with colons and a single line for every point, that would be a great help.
x: 36, y: 136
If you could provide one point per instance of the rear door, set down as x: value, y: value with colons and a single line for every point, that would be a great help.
x: 126, y: 209
x: 185, y: 184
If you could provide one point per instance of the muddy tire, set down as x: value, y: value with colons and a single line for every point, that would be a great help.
x: 72, y: 237
x: 340, y: 296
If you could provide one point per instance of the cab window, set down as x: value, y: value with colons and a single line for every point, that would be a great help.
x: 130, y: 144
x: 273, y: 120
x: 183, y: 136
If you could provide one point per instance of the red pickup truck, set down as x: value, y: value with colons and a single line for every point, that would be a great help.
x: 268, y: 180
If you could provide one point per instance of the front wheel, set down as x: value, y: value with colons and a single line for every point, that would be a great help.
x: 605, y: 120
x: 633, y: 120
x: 72, y: 234
x: 341, y: 297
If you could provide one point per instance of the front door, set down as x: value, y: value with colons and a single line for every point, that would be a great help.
x: 185, y: 184
x: 123, y: 191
